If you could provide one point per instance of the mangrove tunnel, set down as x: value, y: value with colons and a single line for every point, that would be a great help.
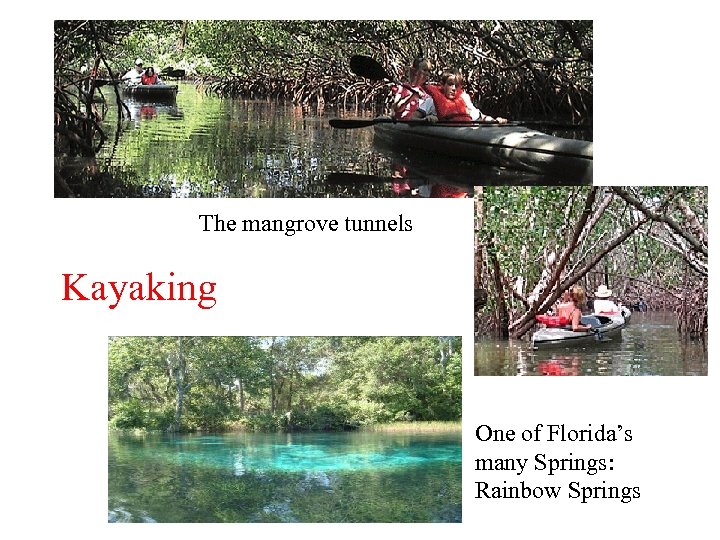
x: 648, y: 244
x: 528, y: 69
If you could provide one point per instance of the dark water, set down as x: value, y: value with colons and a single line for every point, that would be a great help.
x: 246, y: 477
x: 206, y: 146
x: 648, y: 346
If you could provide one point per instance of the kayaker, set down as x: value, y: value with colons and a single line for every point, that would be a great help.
x: 565, y: 307
x: 408, y: 96
x: 577, y: 299
x: 149, y: 76
x: 134, y: 76
x: 603, y: 305
x: 448, y: 102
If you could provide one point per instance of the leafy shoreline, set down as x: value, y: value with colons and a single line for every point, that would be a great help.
x: 395, y: 427
x: 282, y: 384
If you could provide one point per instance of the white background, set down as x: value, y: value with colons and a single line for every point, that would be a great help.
x: 655, y: 122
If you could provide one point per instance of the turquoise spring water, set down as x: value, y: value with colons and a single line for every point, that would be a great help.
x: 246, y: 477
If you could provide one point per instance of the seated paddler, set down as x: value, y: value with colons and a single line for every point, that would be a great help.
x: 448, y: 102
x: 134, y: 75
x: 407, y: 97
x: 604, y: 304
x: 569, y: 314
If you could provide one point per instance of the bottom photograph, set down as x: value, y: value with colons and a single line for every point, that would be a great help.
x: 284, y: 429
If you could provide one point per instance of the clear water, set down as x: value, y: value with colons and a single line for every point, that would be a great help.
x: 649, y: 345
x: 310, y: 477
x: 206, y: 146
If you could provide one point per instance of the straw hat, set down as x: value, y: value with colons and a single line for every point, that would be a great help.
x: 603, y: 292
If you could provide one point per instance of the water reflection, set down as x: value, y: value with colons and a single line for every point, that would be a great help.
x: 206, y: 146
x: 308, y: 477
x: 563, y: 365
x: 650, y: 345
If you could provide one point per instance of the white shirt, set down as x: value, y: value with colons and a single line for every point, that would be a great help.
x: 605, y: 306
x: 133, y: 76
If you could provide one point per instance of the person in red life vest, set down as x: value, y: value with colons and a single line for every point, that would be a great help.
x: 565, y: 307
x: 149, y: 77
x: 408, y: 96
x: 578, y: 322
x: 561, y: 314
x: 449, y: 103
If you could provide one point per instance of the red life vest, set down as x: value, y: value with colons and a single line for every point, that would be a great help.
x: 151, y: 79
x: 449, y: 110
x: 412, y: 104
x: 552, y: 321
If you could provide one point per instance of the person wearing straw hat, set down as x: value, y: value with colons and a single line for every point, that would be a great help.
x: 603, y: 305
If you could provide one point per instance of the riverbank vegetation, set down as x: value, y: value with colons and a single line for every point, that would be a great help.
x: 432, y: 426
x: 282, y: 383
x: 513, y: 68
x: 647, y: 244
x: 521, y: 67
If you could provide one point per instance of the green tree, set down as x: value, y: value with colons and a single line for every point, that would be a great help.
x: 534, y: 243
x: 288, y: 382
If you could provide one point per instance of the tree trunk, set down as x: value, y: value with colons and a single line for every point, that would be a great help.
x: 503, y: 315
x: 272, y: 376
x: 241, y: 391
x: 443, y: 354
x: 290, y: 392
x: 272, y: 392
x: 179, y: 408
x: 479, y: 209
x: 551, y: 292
x: 180, y: 369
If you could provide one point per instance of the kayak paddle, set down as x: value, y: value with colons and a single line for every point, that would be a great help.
x: 353, y: 123
x: 364, y: 66
x: 360, y: 178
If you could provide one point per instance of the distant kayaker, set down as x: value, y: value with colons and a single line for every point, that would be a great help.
x: 448, y: 102
x: 134, y: 76
x: 603, y: 305
x: 149, y: 76
x: 408, y: 96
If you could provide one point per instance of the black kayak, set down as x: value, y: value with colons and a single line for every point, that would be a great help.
x: 151, y: 92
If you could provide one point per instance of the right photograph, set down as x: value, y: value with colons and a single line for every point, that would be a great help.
x: 591, y: 280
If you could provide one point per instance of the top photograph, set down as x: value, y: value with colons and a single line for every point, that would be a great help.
x: 226, y: 109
